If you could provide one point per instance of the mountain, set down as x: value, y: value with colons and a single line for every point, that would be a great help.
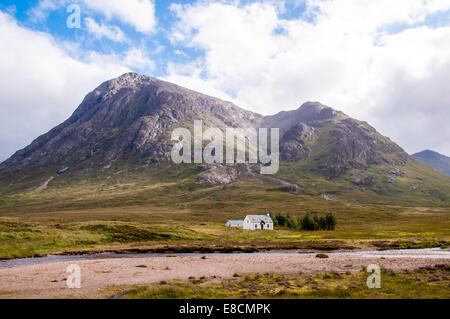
x: 439, y: 162
x: 334, y: 141
x: 126, y: 123
x: 126, y: 116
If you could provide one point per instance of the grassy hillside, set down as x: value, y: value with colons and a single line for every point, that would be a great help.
x: 420, y: 184
x: 161, y: 206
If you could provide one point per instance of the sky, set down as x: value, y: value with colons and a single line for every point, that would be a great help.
x: 385, y: 62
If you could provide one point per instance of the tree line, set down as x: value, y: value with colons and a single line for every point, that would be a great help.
x: 307, y: 222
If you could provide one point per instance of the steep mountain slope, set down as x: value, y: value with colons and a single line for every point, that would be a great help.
x: 126, y: 116
x: 439, y: 162
x: 126, y: 123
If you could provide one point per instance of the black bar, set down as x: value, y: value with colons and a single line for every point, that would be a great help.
x: 233, y: 308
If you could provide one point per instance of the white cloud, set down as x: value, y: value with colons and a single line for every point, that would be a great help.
x: 188, y: 76
x: 180, y: 52
x: 139, y: 14
x: 41, y: 84
x: 136, y: 58
x: 101, y: 30
x: 344, y: 58
x: 40, y: 12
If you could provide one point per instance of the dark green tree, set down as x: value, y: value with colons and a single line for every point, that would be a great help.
x: 330, y: 221
x: 322, y: 223
x: 307, y: 222
x: 279, y: 220
x: 290, y: 222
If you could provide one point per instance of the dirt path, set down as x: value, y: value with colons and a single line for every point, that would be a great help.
x: 99, y: 277
x: 44, y: 184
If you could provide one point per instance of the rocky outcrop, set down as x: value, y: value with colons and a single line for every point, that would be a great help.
x: 219, y: 175
x: 391, y: 179
x: 329, y: 198
x: 356, y: 145
x: 352, y: 147
x: 292, y: 144
x: 363, y: 180
x: 397, y: 172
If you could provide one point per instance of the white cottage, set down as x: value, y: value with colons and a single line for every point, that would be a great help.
x: 253, y: 222
x: 235, y: 223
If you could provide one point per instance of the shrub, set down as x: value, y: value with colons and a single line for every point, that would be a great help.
x: 330, y: 221
x: 322, y: 223
x: 307, y: 222
x: 321, y: 256
x: 284, y: 221
x: 290, y: 222
x: 327, y: 222
x: 280, y: 220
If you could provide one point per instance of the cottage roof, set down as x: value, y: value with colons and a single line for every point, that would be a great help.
x: 235, y: 221
x: 259, y: 218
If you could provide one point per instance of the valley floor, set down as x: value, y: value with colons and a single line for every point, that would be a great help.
x: 405, y: 274
x: 163, y: 210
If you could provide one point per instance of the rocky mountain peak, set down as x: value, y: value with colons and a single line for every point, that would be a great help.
x: 315, y: 111
x: 129, y: 79
x: 312, y: 106
x: 126, y: 81
x: 306, y: 113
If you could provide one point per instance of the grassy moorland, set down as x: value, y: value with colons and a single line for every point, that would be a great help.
x: 161, y: 208
x: 429, y: 282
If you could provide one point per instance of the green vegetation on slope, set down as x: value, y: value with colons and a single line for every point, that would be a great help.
x: 159, y: 204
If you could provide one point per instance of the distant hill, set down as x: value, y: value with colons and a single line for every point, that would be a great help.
x: 439, y: 162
